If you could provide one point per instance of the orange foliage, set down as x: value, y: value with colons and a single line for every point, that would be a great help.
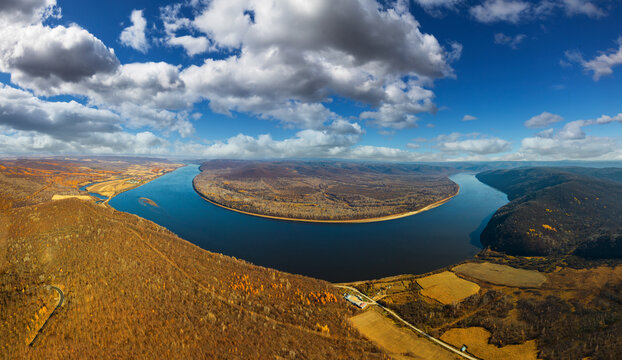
x: 549, y: 227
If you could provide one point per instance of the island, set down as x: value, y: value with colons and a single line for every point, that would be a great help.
x: 322, y: 191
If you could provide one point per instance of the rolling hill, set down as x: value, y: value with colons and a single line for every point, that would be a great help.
x: 132, y: 289
x: 557, y: 211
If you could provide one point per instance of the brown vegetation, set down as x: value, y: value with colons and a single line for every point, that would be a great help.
x: 576, y: 313
x: 446, y: 287
x: 135, y: 290
x: 32, y: 181
x: 476, y: 339
x: 399, y: 343
x: 322, y: 190
x: 501, y: 274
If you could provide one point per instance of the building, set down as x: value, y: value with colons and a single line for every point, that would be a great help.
x: 356, y: 300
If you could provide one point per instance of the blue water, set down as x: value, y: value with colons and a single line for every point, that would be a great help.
x: 334, y: 252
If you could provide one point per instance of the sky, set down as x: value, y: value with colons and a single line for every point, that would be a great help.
x: 419, y: 80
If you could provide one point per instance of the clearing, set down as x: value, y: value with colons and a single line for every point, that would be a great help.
x: 501, y: 274
x: 400, y: 344
x: 447, y: 288
x: 62, y: 197
x: 476, y: 339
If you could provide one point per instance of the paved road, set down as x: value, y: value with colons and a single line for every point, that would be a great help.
x: 421, y: 332
x: 61, y: 299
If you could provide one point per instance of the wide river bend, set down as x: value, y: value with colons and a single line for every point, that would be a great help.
x: 335, y: 252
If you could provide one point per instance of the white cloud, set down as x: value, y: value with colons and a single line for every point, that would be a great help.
x: 289, y: 53
x: 591, y: 147
x: 543, y: 120
x: 511, y: 41
x: 601, y: 65
x: 26, y: 11
x: 434, y: 7
x: 571, y: 142
x: 306, y: 144
x: 438, y: 3
x: 583, y: 7
x: 174, y: 22
x: 482, y: 146
x: 29, y: 124
x: 39, y: 57
x: 134, y: 35
x: 193, y: 45
x: 500, y: 10
x: 468, y: 118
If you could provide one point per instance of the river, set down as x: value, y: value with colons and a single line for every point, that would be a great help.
x: 334, y: 252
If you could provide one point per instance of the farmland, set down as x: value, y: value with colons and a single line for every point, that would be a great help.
x: 571, y: 308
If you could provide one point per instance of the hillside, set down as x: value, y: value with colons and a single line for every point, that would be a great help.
x: 324, y: 191
x: 557, y: 211
x: 132, y: 289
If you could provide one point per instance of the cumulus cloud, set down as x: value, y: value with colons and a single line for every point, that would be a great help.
x: 468, y: 118
x: 601, y: 65
x: 351, y: 48
x: 134, y: 35
x: 29, y: 124
x: 511, y: 41
x: 500, y: 10
x: 478, y: 146
x: 306, y: 144
x: 571, y: 142
x: 193, y: 45
x: 174, y: 22
x: 543, y: 120
x: 39, y: 57
x: 26, y: 11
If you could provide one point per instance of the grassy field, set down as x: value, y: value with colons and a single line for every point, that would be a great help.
x: 477, y: 341
x: 111, y: 188
x: 501, y: 274
x: 446, y: 287
x: 399, y: 343
x: 63, y: 197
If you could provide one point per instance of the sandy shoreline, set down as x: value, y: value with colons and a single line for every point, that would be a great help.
x: 354, y: 221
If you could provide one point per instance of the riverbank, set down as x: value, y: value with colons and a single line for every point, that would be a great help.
x: 353, y: 221
x: 111, y: 188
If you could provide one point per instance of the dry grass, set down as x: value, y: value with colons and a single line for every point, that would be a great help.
x: 80, y: 197
x: 502, y: 274
x: 398, y: 342
x: 447, y: 288
x: 476, y: 339
x: 111, y: 188
x: 597, y: 277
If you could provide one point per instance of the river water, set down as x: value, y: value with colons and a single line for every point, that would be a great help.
x: 334, y: 252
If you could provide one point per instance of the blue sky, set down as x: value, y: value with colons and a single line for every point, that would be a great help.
x: 534, y: 80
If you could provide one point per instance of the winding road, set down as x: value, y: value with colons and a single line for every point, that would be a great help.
x: 61, y: 299
x: 419, y: 331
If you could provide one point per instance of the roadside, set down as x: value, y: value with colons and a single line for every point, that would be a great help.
x: 388, y: 334
x: 61, y: 300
